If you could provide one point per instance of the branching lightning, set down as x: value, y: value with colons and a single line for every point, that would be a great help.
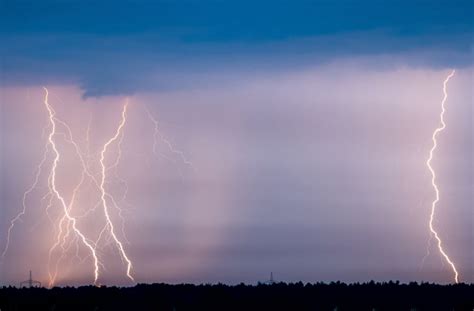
x: 118, y: 134
x: 66, y: 215
x: 436, y: 132
x: 54, y: 189
x: 25, y: 197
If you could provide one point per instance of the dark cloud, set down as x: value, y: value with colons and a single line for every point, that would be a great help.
x: 127, y: 64
x: 122, y: 48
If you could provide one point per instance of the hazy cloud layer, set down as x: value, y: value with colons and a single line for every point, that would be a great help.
x: 316, y: 174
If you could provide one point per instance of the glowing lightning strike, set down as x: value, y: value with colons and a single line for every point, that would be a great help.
x: 433, y: 177
x: 61, y: 199
x: 110, y: 225
x: 68, y: 235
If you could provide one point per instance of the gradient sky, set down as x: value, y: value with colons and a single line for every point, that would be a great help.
x: 308, y: 124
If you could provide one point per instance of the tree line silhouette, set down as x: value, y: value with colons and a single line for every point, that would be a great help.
x: 277, y: 296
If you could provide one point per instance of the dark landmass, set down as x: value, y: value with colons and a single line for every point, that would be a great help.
x: 277, y: 296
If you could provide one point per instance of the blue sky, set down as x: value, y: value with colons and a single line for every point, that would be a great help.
x: 236, y: 20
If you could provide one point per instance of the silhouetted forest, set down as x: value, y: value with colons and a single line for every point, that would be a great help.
x: 277, y: 296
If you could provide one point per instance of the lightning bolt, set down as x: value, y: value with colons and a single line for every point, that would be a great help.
x: 67, y: 233
x: 101, y: 187
x: 62, y: 236
x: 52, y: 183
x: 25, y: 197
x: 117, y: 137
x: 436, y: 132
x: 62, y: 241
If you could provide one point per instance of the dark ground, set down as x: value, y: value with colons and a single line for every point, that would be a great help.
x: 279, y: 296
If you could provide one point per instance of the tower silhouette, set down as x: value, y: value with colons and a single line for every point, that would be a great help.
x: 30, y: 282
x: 271, y: 281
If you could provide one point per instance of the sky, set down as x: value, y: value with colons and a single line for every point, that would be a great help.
x: 307, y: 125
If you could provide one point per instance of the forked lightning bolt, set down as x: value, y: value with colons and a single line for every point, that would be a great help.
x: 117, y: 136
x: 436, y: 132
x: 62, y: 238
x: 54, y: 189
x: 68, y: 234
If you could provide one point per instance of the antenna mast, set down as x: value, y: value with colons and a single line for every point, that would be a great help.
x: 30, y: 282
